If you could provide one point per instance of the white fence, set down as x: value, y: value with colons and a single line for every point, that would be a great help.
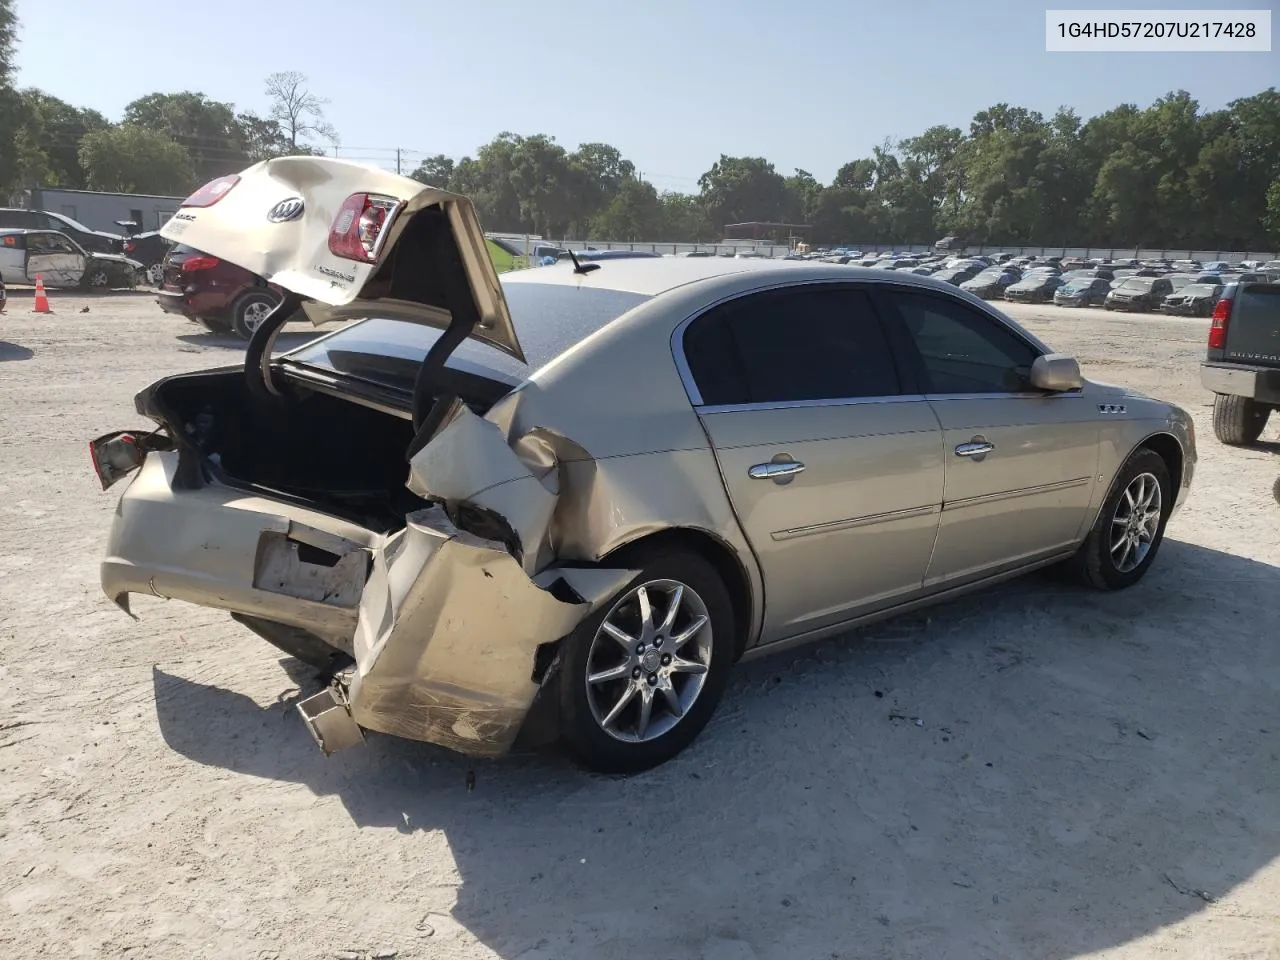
x: 776, y: 250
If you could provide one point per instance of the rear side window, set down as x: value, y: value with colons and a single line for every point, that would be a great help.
x: 820, y: 343
x: 962, y: 350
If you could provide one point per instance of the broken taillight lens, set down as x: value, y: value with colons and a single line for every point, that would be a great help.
x: 360, y: 226
x: 1218, y: 326
x: 116, y: 455
x: 211, y: 192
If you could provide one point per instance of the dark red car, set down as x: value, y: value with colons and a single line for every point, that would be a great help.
x: 222, y: 296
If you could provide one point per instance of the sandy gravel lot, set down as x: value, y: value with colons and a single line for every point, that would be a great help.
x: 1091, y: 775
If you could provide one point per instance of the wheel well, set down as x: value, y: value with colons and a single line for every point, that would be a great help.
x: 718, y: 554
x: 1170, y: 452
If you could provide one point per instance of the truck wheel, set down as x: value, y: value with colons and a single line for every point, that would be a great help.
x: 1238, y: 420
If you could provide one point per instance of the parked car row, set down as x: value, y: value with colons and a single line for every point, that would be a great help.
x: 1182, y: 287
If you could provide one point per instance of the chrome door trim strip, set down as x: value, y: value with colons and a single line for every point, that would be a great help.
x: 1016, y: 494
x: 866, y: 521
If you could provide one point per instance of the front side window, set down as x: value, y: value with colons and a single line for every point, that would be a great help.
x: 962, y: 350
x: 819, y: 343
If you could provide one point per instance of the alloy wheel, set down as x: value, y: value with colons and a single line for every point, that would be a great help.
x: 1135, y: 522
x: 648, y: 661
x: 255, y: 313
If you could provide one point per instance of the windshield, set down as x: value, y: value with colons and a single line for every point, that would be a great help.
x: 1200, y: 290
x: 1137, y: 283
x: 73, y: 224
x: 549, y: 319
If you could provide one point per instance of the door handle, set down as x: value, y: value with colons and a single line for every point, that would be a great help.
x: 772, y: 471
x: 974, y: 448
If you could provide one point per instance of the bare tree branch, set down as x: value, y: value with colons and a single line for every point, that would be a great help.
x: 298, y: 111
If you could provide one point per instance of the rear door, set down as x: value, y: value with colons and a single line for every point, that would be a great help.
x: 1253, y: 326
x: 55, y: 258
x: 13, y: 258
x: 1019, y: 464
x: 832, y: 461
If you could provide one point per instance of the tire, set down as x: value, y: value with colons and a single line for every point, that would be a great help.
x: 1103, y: 563
x: 1238, y: 420
x: 247, y: 312
x: 98, y: 278
x: 215, y: 325
x: 585, y: 707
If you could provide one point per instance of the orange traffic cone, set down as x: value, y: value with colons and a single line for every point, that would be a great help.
x: 42, y: 298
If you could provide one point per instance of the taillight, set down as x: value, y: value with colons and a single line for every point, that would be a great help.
x: 211, y: 192
x: 130, y: 247
x: 115, y: 456
x: 1218, y: 327
x: 192, y: 264
x: 360, y: 225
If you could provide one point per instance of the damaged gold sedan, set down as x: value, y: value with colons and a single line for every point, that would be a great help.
x: 599, y: 484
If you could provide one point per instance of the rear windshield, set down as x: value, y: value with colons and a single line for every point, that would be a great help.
x: 1258, y: 301
x: 549, y: 319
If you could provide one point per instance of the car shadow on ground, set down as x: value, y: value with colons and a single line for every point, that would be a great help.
x: 11, y: 351
x: 229, y: 341
x: 1036, y: 770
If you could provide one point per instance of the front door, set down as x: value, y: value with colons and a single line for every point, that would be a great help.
x: 54, y: 258
x: 834, y: 473
x: 1019, y: 464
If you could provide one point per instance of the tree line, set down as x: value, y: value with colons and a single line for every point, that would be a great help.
x: 1167, y: 175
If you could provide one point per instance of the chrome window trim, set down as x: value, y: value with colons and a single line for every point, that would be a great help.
x: 967, y: 299
x: 713, y: 408
x: 1023, y: 395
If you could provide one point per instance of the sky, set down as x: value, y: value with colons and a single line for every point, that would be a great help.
x: 671, y: 83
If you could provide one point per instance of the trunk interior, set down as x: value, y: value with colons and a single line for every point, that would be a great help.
x: 328, y: 453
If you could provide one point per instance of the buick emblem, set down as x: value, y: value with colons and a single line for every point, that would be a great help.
x: 286, y: 210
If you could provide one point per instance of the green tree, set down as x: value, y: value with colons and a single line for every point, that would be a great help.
x: 262, y: 138
x: 207, y: 129
x: 52, y: 136
x: 684, y: 220
x: 1272, y: 218
x: 634, y: 213
x: 14, y: 114
x: 743, y: 189
x: 436, y: 171
x: 132, y: 159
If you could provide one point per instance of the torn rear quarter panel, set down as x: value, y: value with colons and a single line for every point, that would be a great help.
x: 448, y: 630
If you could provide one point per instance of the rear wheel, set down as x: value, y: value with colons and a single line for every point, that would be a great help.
x: 216, y: 325
x: 1130, y: 527
x: 250, y: 310
x: 641, y: 677
x: 1238, y: 420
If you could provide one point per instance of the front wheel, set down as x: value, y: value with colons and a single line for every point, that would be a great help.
x: 249, y: 311
x: 1238, y: 420
x: 640, y: 678
x: 1130, y: 527
x: 97, y: 278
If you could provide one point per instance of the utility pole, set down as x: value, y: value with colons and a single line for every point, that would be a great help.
x: 397, y: 160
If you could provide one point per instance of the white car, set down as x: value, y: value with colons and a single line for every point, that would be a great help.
x: 61, y: 262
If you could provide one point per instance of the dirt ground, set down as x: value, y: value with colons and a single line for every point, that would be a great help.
x: 1035, y: 772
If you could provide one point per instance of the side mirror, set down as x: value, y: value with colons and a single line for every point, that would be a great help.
x: 1055, y: 372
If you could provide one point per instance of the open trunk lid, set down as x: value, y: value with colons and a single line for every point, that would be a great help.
x: 1253, y: 331
x: 355, y: 241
